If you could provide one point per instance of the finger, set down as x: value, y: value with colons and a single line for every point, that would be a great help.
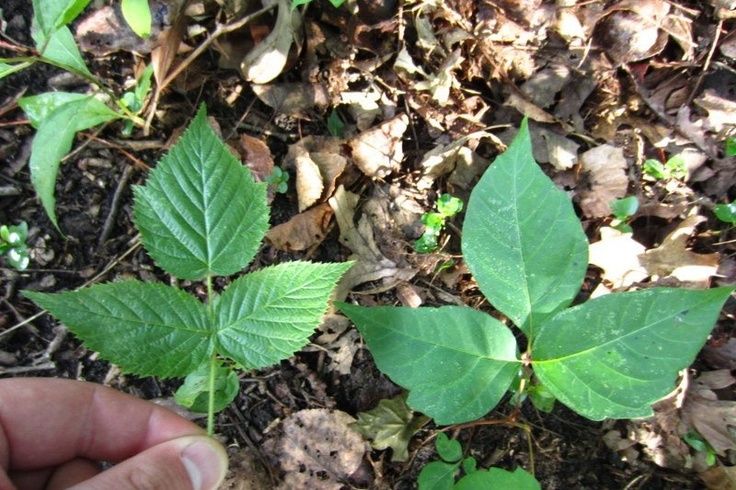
x: 59, y: 478
x: 187, y: 463
x: 46, y: 422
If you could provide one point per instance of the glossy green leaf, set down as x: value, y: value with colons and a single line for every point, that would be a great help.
x: 145, y: 328
x: 448, y: 205
x: 200, y: 212
x: 726, y: 212
x: 39, y: 107
x: 730, y: 146
x: 448, y: 449
x: 50, y: 15
x: 267, y: 315
x: 625, y: 207
x: 655, y: 168
x: 614, y: 356
x: 456, y: 362
x: 390, y: 425
x: 522, y: 240
x: 137, y: 14
x: 470, y: 465
x: 193, y: 394
x: 496, y: 478
x: 7, y: 69
x: 61, y: 50
x: 437, y: 475
x: 54, y: 140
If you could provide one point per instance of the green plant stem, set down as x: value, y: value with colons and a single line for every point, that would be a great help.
x: 213, y: 369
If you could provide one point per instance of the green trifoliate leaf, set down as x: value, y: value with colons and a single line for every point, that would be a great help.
x: 267, y: 315
x: 39, y: 107
x: 390, y: 425
x: 145, y: 328
x: 137, y: 14
x: 522, y: 240
x: 193, y: 394
x: 448, y: 449
x: 437, y: 475
x: 54, y: 140
x: 200, y: 212
x: 456, y: 362
x: 497, y: 478
x: 632, y: 348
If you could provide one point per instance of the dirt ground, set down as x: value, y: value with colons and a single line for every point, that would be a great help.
x: 582, y: 87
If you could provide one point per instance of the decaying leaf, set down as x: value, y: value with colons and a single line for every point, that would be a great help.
x: 293, y: 98
x: 722, y: 356
x: 318, y: 162
x: 721, y: 111
x: 714, y: 419
x: 444, y: 159
x: 379, y: 151
x: 606, y: 167
x: 257, y: 156
x: 719, y: 477
x: 618, y: 254
x: 245, y: 472
x: 317, y: 448
x: 339, y: 340
x: 391, y: 425
x: 266, y: 61
x: 302, y: 231
x: 672, y: 258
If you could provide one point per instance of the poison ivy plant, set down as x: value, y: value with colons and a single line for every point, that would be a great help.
x: 440, y: 475
x: 623, y: 209
x: 612, y: 356
x: 447, y: 207
x: 200, y: 215
x: 673, y: 168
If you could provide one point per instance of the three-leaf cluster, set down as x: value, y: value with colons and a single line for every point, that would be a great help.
x: 200, y: 215
x: 612, y: 356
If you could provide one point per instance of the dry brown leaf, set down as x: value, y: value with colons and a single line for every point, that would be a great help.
x: 339, y: 341
x: 714, y: 419
x: 721, y: 356
x: 719, y: 477
x: 256, y: 155
x: 444, y: 159
x: 560, y: 151
x: 266, y: 61
x: 672, y: 258
x: 317, y: 448
x: 379, y: 151
x: 542, y: 88
x: 618, y: 255
x: 318, y: 162
x: 104, y: 31
x: 309, y: 184
x: 721, y: 111
x: 606, y: 167
x: 245, y: 472
x: 302, y: 231
x: 293, y: 98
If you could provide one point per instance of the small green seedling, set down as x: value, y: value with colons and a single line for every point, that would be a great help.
x: 299, y: 3
x: 726, y: 212
x: 623, y: 210
x: 134, y: 100
x: 440, y: 475
x: 447, y: 207
x: 730, y: 146
x: 13, y: 245
x: 674, y: 168
x: 335, y: 124
x: 137, y: 14
x: 279, y: 180
x: 610, y: 357
x: 200, y: 215
x: 696, y: 441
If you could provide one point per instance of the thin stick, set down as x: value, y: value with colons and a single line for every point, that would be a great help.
x: 708, y: 59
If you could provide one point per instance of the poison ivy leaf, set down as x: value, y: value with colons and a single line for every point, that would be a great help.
x: 629, y: 358
x: 60, y: 49
x: 194, y: 392
x: 200, y: 212
x: 456, y: 362
x: 448, y: 449
x: 267, y: 315
x: 390, y: 425
x: 498, y: 478
x: 39, y: 107
x: 137, y: 14
x: 437, y: 475
x: 145, y: 328
x: 8, y: 69
x: 522, y: 240
x: 54, y: 140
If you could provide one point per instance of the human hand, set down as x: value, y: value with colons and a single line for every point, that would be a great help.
x: 53, y: 433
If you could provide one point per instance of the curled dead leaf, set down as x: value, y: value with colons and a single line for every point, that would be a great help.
x: 714, y: 419
x: 302, y: 231
x: 318, y: 162
x: 256, y: 155
x: 293, y: 98
x: 379, y: 151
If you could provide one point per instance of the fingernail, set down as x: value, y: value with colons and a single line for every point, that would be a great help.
x: 205, y: 464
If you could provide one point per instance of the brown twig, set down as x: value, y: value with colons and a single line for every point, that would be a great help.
x: 115, y: 205
x: 708, y: 60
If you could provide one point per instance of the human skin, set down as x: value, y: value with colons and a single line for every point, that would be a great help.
x: 54, y: 433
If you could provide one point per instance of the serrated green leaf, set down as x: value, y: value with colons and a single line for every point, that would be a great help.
x: 497, y: 478
x: 267, y: 315
x: 54, y: 140
x: 448, y: 449
x: 61, y: 50
x: 38, y: 107
x: 193, y: 394
x: 437, y: 475
x: 8, y: 69
x: 456, y: 362
x: 137, y: 14
x: 629, y: 356
x: 145, y: 328
x: 200, y: 212
x: 390, y: 425
x: 522, y: 240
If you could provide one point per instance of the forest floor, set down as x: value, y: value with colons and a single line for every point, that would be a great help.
x: 400, y: 103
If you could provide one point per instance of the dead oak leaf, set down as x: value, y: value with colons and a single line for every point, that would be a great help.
x: 606, y: 168
x: 303, y: 230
